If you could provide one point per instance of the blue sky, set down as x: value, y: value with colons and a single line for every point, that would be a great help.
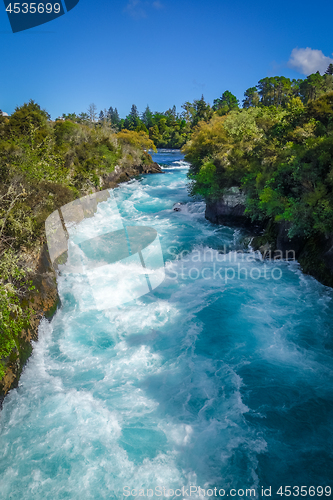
x: 162, y: 52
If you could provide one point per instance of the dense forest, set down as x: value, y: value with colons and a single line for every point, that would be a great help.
x: 167, y: 130
x: 170, y: 129
x: 277, y: 149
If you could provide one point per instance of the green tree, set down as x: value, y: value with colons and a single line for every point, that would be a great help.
x: 132, y: 120
x: 83, y: 118
x: 154, y: 134
x: 134, y: 111
x: 251, y: 98
x: 171, y: 116
x: 147, y: 117
x: 28, y: 117
x: 276, y: 91
x: 329, y: 70
x: 113, y: 116
x: 225, y: 103
x: 202, y: 111
x: 138, y: 139
x: 70, y: 116
x: 189, y: 112
x: 312, y: 87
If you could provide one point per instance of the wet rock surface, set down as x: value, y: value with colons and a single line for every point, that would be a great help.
x: 315, y: 254
x: 125, y: 174
x: 229, y: 210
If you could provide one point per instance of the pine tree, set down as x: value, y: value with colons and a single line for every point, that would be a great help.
x: 134, y: 112
x: 202, y: 111
x: 113, y: 116
x: 116, y: 118
x: 312, y: 87
x: 132, y: 120
x: 251, y: 98
x: 174, y: 111
x: 147, y: 117
x: 110, y: 114
x: 329, y: 70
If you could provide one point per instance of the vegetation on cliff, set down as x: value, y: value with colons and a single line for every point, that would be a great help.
x: 44, y: 165
x: 278, y: 149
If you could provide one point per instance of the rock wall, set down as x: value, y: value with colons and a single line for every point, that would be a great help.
x: 229, y: 210
x: 315, y: 254
x: 125, y: 174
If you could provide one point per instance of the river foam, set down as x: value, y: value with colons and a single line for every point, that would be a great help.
x: 204, y: 381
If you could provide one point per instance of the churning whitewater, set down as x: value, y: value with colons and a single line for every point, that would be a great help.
x: 221, y: 377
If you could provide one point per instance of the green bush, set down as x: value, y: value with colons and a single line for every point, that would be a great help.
x: 43, y: 166
x: 282, y: 158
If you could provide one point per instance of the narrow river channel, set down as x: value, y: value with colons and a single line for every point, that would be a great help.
x: 221, y: 377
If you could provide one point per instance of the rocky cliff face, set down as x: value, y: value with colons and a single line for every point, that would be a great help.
x: 316, y: 258
x: 229, y: 210
x: 125, y: 174
x: 314, y: 254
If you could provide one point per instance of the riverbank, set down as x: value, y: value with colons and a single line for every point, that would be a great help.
x: 44, y: 300
x: 315, y: 254
x: 279, y: 160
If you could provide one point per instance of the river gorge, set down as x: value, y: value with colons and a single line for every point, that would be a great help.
x: 221, y: 377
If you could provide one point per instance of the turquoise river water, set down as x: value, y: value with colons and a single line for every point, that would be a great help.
x: 220, y: 378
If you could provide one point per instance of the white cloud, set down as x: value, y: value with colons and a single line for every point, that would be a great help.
x: 138, y: 8
x: 135, y: 9
x: 308, y: 61
x: 157, y: 5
